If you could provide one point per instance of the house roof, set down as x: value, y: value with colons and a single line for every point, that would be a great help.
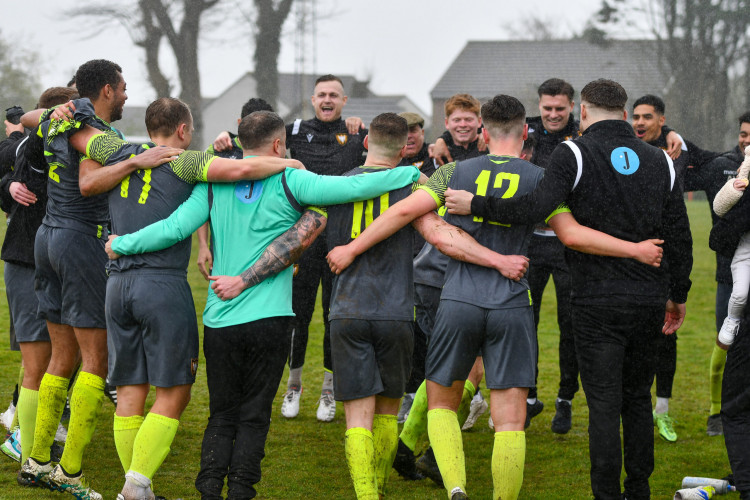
x: 486, y: 68
x: 368, y: 108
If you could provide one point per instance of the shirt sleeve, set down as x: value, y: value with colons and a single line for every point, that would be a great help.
x: 163, y: 234
x: 678, y: 246
x: 438, y: 183
x: 552, y: 190
x: 312, y: 189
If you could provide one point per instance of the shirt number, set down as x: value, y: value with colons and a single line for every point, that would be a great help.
x: 366, y: 207
x: 483, y: 181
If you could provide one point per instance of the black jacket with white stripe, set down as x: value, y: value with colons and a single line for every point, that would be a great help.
x: 615, y: 183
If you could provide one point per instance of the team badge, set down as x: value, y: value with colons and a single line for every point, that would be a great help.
x: 342, y: 138
x: 418, y: 164
x: 309, y: 137
x: 248, y: 191
x: 568, y: 137
x: 625, y: 161
x: 194, y: 366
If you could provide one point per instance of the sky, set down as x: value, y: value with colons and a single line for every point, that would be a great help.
x: 402, y: 46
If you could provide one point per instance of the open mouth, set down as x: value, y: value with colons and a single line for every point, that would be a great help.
x: 640, y: 133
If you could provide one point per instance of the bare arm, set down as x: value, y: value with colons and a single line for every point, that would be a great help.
x: 257, y: 167
x: 94, y: 179
x: 393, y: 219
x: 280, y: 254
x: 31, y: 119
x: 459, y: 245
x: 587, y: 240
x: 205, y: 258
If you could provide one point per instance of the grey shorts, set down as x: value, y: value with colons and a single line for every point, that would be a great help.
x: 152, y: 333
x: 426, y: 302
x: 71, y: 278
x: 19, y: 285
x: 505, y: 337
x: 370, y: 357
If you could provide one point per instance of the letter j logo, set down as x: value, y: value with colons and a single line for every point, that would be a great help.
x: 625, y: 160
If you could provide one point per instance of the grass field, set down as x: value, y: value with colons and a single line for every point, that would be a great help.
x: 305, y: 459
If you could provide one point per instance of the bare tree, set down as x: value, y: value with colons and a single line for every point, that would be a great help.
x: 701, y: 44
x: 19, y: 79
x: 271, y: 16
x: 176, y: 21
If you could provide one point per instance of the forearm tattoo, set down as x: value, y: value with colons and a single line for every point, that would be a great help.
x: 286, y: 249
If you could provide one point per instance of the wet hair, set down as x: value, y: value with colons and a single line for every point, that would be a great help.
x: 255, y: 104
x: 388, y: 131
x: 605, y: 94
x: 503, y: 115
x: 464, y: 102
x: 556, y: 86
x: 165, y: 114
x: 96, y: 74
x: 56, y: 95
x: 651, y: 100
x: 259, y: 128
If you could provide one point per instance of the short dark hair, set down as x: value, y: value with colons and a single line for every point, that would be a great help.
x: 56, y: 95
x: 389, y: 131
x: 556, y: 86
x: 258, y: 128
x: 71, y: 82
x: 94, y: 75
x: 744, y: 118
x: 651, y: 100
x: 165, y: 114
x: 255, y: 104
x: 503, y: 115
x: 328, y: 78
x: 529, y: 143
x: 605, y: 94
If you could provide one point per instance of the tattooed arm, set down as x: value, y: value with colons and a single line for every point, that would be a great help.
x: 280, y: 254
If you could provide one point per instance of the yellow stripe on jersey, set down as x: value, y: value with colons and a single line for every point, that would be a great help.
x: 561, y: 208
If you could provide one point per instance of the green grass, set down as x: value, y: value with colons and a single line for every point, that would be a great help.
x: 305, y: 458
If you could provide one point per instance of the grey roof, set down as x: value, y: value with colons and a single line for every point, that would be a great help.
x: 486, y: 68
x: 368, y: 108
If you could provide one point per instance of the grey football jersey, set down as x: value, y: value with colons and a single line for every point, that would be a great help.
x: 379, y: 285
x: 66, y: 206
x: 148, y: 196
x: 490, y: 175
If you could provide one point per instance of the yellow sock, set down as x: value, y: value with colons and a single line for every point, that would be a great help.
x: 414, y: 433
x: 508, y: 457
x: 448, y: 446
x: 125, y: 429
x: 465, y: 406
x: 53, y: 391
x: 84, y: 408
x: 28, y: 402
x: 385, y: 442
x: 19, y: 385
x: 360, y: 456
x: 151, y: 445
x: 716, y: 373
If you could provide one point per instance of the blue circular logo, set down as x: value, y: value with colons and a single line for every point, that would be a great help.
x: 248, y: 191
x: 625, y: 160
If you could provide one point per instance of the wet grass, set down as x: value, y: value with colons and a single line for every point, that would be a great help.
x: 305, y: 459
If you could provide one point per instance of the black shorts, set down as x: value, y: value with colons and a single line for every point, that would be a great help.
x: 152, y: 333
x: 370, y: 357
x: 19, y: 285
x: 71, y: 277
x: 505, y: 338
